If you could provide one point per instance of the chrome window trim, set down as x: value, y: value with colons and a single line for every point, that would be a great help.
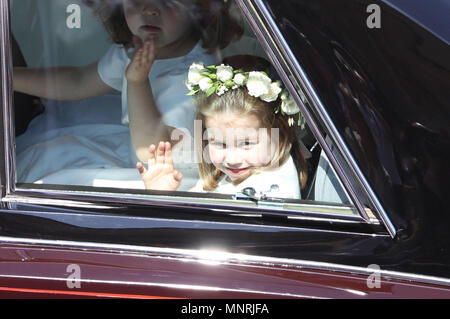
x: 124, y: 222
x: 279, y: 52
x: 228, y: 258
x: 7, y: 93
x: 80, y: 199
x: 110, y: 201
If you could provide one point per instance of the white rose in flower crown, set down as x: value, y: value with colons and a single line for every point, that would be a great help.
x: 239, y: 79
x: 224, y: 72
x: 275, y: 89
x: 289, y: 106
x: 221, y: 90
x: 258, y: 84
x: 195, y: 73
x: 205, y: 83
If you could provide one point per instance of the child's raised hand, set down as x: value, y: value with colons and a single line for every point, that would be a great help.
x: 160, y: 174
x: 142, y: 61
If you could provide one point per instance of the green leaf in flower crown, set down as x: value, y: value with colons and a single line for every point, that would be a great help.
x: 193, y: 92
x: 277, y: 110
x: 229, y: 83
x: 212, y: 67
x: 211, y: 90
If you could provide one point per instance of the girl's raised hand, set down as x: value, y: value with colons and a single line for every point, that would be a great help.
x: 160, y: 174
x: 142, y: 61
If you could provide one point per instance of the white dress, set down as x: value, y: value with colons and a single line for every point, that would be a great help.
x: 84, y: 143
x: 284, y: 177
x: 88, y: 142
x: 167, y: 78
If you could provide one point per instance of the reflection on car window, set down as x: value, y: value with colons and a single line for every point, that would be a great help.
x: 164, y: 95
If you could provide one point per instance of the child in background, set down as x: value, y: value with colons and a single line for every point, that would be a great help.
x: 168, y: 36
x: 247, y: 138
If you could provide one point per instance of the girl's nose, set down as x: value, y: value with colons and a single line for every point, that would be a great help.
x: 151, y: 9
x: 233, y: 158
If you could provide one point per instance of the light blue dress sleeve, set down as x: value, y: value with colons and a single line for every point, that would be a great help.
x: 167, y: 78
x: 111, y: 67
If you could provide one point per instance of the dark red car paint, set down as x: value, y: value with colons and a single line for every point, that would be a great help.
x: 41, y: 272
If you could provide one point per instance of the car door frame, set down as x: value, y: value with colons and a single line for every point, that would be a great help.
x: 27, y: 228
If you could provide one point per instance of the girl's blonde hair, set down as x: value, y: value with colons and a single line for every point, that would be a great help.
x: 238, y: 101
x: 212, y: 21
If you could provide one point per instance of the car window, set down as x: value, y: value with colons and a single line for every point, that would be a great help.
x: 110, y: 81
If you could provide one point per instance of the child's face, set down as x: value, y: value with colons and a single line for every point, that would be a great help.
x: 238, y: 143
x: 166, y: 20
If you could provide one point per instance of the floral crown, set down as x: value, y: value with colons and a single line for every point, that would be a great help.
x: 219, y: 79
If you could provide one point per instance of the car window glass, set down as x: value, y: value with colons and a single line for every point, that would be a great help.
x: 88, y: 124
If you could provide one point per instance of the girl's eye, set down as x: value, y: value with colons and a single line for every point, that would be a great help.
x: 247, y: 144
x: 217, y: 144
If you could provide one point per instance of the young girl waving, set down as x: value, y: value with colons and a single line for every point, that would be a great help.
x: 247, y: 137
x: 161, y: 36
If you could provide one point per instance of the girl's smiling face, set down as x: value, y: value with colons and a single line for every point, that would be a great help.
x: 238, y: 143
x: 165, y: 20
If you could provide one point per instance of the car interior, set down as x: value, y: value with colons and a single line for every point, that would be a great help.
x: 84, y: 143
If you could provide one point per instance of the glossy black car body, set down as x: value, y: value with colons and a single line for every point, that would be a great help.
x: 387, y: 93
x: 390, y: 87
